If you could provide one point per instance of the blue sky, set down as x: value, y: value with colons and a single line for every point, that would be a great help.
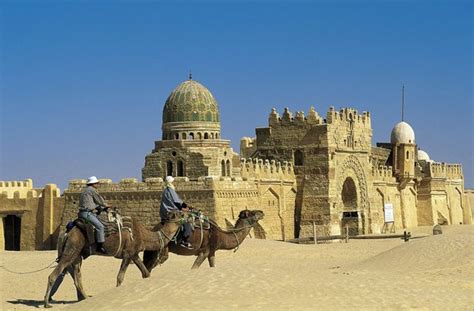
x: 83, y: 84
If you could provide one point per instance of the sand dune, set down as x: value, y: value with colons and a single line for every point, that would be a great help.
x: 433, y: 273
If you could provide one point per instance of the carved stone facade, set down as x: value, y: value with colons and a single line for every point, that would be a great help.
x: 343, y: 180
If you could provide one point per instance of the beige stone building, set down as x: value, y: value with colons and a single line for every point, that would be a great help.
x: 342, y: 179
x: 30, y: 217
x: 298, y: 170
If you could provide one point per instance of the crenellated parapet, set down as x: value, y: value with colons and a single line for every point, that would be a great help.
x: 299, y: 118
x: 266, y: 169
x: 383, y: 173
x: 348, y: 115
x: 24, y: 189
x: 443, y: 170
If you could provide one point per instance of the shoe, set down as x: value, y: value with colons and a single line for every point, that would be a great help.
x: 100, y: 249
x: 186, y: 245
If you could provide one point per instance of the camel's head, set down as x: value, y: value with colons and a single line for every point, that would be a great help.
x: 252, y: 216
x: 175, y: 216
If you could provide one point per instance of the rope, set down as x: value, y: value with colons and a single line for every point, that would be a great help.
x: 29, y: 272
x: 232, y: 230
x: 119, y: 226
x: 237, y: 239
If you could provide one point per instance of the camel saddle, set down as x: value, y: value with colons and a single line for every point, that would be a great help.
x: 113, y: 223
x: 198, y: 220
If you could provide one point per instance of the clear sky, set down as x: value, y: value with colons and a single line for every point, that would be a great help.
x: 83, y: 84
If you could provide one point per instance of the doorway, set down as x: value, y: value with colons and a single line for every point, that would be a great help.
x: 11, y: 232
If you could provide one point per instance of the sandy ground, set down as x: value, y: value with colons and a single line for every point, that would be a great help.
x: 432, y: 273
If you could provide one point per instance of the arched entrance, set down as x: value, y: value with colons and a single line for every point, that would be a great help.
x: 350, y: 215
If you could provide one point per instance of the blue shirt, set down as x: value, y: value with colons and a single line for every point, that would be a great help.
x: 170, y: 201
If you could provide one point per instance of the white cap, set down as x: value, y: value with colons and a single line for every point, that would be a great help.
x: 169, y: 179
x: 92, y: 180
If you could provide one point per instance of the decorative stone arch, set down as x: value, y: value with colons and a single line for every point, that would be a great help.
x: 352, y: 169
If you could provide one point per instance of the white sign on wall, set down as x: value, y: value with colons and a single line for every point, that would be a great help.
x: 388, y: 212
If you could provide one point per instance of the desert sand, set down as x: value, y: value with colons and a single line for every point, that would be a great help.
x: 431, y: 273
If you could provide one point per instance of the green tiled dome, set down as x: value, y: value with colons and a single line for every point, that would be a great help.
x: 190, y: 101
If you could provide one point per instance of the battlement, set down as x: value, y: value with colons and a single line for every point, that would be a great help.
x: 444, y: 170
x: 265, y: 169
x: 383, y: 173
x: 23, y: 189
x: 332, y: 117
x: 287, y: 118
x: 24, y: 184
x: 347, y: 115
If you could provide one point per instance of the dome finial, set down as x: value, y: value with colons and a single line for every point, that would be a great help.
x: 190, y: 75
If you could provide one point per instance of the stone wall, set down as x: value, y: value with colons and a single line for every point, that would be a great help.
x: 220, y: 198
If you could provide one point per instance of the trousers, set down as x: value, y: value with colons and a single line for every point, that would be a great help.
x: 89, y: 216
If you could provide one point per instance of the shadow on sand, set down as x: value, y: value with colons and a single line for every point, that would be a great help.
x: 38, y: 303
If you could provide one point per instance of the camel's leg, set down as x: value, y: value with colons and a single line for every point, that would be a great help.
x: 199, y: 260
x: 75, y: 271
x: 123, y: 269
x: 63, y: 264
x: 212, y: 259
x: 145, y: 273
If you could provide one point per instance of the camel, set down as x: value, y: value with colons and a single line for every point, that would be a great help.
x: 207, y: 242
x: 127, y: 250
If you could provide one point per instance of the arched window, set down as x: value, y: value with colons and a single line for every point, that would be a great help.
x: 183, y: 136
x: 217, y: 135
x: 180, y: 168
x: 199, y: 135
x: 212, y: 135
x: 298, y: 158
x: 222, y: 168
x: 227, y: 165
x: 191, y: 136
x: 169, y: 168
x: 408, y: 155
x: 206, y: 136
x: 176, y: 136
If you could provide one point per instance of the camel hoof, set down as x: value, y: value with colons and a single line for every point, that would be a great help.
x: 47, y: 306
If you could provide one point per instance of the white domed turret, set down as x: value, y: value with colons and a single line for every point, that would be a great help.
x: 423, y: 156
x: 402, y: 133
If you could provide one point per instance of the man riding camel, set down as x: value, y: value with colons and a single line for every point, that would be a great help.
x: 170, y: 201
x: 89, y: 201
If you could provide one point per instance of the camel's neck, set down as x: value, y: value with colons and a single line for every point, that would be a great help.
x: 235, y: 237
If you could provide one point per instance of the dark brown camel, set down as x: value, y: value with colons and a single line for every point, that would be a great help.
x: 129, y: 248
x: 211, y: 240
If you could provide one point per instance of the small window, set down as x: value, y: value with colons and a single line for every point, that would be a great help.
x: 169, y: 168
x: 180, y: 168
x: 298, y: 158
x: 223, y: 168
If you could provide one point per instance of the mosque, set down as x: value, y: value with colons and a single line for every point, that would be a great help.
x: 299, y: 170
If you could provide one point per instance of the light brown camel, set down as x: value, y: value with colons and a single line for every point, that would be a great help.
x: 212, y: 239
x: 128, y: 250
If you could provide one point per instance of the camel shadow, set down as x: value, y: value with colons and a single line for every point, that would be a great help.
x: 38, y: 303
